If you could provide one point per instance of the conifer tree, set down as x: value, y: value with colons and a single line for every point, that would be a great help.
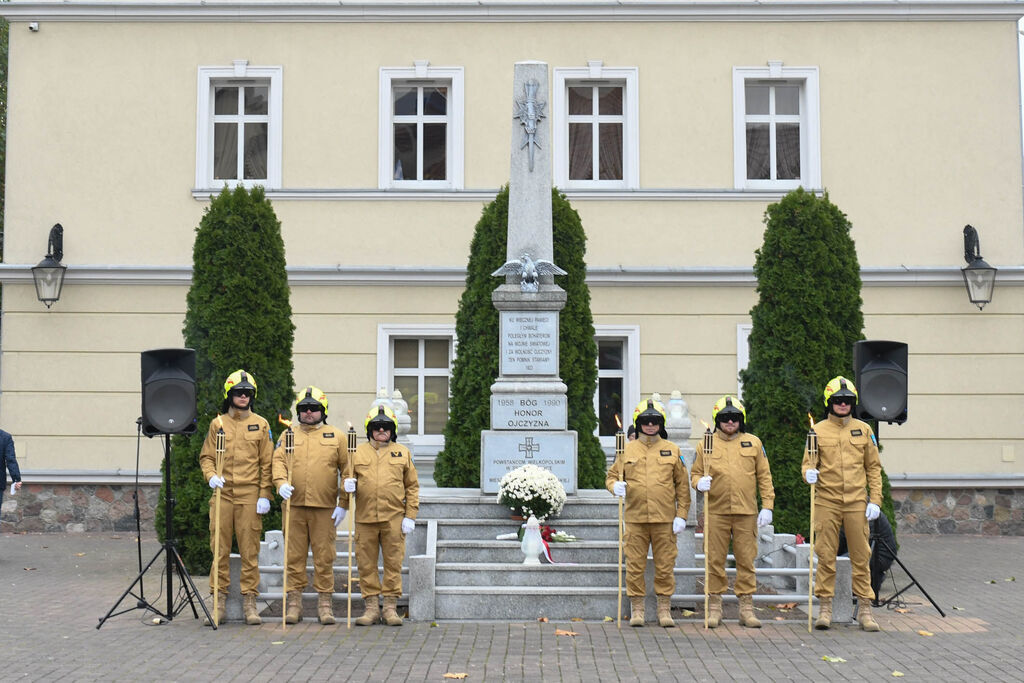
x: 238, y: 316
x: 476, y: 364
x: 805, y: 323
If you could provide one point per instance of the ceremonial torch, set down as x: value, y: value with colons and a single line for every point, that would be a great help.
x: 707, y: 446
x: 289, y: 453
x: 351, y: 434
x: 620, y: 448
x: 220, y: 447
x: 812, y: 452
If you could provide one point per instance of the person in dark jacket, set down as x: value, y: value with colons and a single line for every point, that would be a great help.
x: 8, y: 462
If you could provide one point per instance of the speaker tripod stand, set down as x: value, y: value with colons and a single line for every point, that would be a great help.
x: 876, y: 539
x: 174, y: 564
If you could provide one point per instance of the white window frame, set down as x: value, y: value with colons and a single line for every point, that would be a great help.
x: 240, y: 71
x: 742, y: 354
x: 455, y: 137
x: 810, y: 125
x: 428, y: 444
x: 630, y: 334
x: 595, y: 73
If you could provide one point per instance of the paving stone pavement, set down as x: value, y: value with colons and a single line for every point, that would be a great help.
x: 55, y: 587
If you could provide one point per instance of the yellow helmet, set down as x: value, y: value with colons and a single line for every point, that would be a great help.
x: 728, y: 405
x: 649, y: 408
x: 381, y: 414
x: 840, y: 386
x: 311, y: 396
x: 239, y: 379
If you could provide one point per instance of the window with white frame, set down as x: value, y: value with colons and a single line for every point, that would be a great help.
x: 776, y: 134
x: 417, y: 360
x: 421, y: 127
x: 238, y: 127
x: 618, y: 379
x: 595, y: 127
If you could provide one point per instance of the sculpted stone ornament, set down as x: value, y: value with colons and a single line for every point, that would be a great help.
x: 528, y: 271
x: 530, y: 112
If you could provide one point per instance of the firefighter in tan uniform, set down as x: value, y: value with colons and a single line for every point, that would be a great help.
x: 848, y: 474
x: 310, y: 482
x: 651, y: 476
x: 732, y: 475
x: 382, y: 477
x: 245, y: 488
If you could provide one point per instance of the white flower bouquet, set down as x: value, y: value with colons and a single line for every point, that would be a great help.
x: 531, y: 490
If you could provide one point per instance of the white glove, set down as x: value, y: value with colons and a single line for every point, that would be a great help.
x: 216, y: 482
x: 350, y: 486
x: 872, y: 512
x: 811, y: 476
x: 262, y: 506
x: 13, y: 484
x: 338, y: 516
x: 764, y: 518
x: 408, y: 525
x: 619, y: 489
x: 678, y: 524
x: 286, y: 490
x: 704, y: 483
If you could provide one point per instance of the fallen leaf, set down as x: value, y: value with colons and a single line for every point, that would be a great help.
x: 561, y: 632
x: 786, y: 605
x: 29, y: 569
x: 1012, y: 578
x: 902, y: 610
x: 780, y: 618
x: 925, y: 633
x: 830, y: 658
x: 277, y: 642
x: 576, y: 619
x: 991, y: 581
x: 451, y: 675
x: 607, y: 619
x: 542, y: 620
x: 79, y: 554
x: 433, y: 624
x: 897, y: 674
x: 958, y: 609
x: 687, y: 612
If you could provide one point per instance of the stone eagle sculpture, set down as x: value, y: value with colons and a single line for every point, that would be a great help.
x: 529, y: 271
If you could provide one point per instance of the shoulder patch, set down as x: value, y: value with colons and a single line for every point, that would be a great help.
x: 254, y: 428
x: 855, y: 432
x: 328, y: 435
x: 396, y: 454
x: 666, y: 453
x: 746, y: 444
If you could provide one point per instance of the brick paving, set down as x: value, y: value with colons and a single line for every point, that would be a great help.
x: 55, y: 587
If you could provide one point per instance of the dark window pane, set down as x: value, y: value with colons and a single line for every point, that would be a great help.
x: 434, y: 151
x: 787, y: 99
x: 610, y: 155
x: 580, y: 100
x: 407, y: 353
x: 787, y: 151
x: 405, y: 100
x: 255, y: 150
x: 410, y: 392
x: 225, y: 151
x: 581, y: 151
x: 609, y: 100
x: 435, y: 353
x: 405, y: 151
x: 256, y: 100
x: 758, y: 151
x: 435, y: 101
x: 435, y: 404
x: 757, y: 99
x: 609, y: 404
x: 609, y: 355
x: 225, y: 100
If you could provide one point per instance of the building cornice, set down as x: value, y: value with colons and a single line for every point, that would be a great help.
x: 455, y: 276
x: 496, y: 11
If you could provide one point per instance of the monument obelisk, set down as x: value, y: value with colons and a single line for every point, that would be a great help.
x: 529, y: 415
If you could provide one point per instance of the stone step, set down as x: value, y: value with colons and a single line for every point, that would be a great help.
x: 470, y: 504
x: 509, y: 552
x: 497, y: 574
x: 525, y: 603
x: 488, y: 529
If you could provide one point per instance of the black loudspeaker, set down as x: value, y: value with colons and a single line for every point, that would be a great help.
x: 168, y: 391
x: 881, y: 379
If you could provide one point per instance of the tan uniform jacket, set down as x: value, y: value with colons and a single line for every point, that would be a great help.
x: 386, y: 483
x: 738, y: 466
x: 319, y: 458
x: 847, y: 463
x: 247, y: 453
x: 655, y: 476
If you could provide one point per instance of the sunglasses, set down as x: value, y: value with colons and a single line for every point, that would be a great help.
x: 845, y: 400
x: 645, y: 421
x: 380, y: 428
x: 728, y: 418
x: 309, y: 409
x: 243, y: 392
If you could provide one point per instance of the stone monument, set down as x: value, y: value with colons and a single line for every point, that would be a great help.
x: 529, y: 413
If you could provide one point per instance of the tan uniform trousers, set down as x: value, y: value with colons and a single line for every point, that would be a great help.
x: 385, y: 538
x: 742, y: 529
x: 827, y: 522
x: 311, y: 527
x: 241, y: 520
x: 659, y: 537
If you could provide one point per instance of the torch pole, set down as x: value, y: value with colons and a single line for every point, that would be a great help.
x: 219, y: 466
x: 812, y: 451
x: 620, y: 447
x: 708, y: 445
x: 289, y: 453
x: 351, y: 524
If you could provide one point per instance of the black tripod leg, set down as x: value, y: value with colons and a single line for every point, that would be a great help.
x: 191, y: 592
x: 142, y: 604
x: 914, y: 581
